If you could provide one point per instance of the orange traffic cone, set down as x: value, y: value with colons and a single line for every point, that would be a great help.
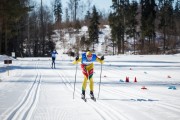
x: 144, y: 88
x: 135, y: 79
x: 127, y: 79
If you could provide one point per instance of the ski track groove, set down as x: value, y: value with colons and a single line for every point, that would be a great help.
x: 162, y: 105
x: 112, y: 110
x: 22, y: 111
x: 18, y: 74
x: 143, y: 114
x: 64, y: 81
x: 105, y: 114
x: 125, y: 117
x: 173, y: 109
x: 102, y: 108
x: 138, y: 96
x: 135, y: 83
x: 115, y: 111
x: 99, y: 112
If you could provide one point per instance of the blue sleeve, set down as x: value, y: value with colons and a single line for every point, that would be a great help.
x: 94, y: 57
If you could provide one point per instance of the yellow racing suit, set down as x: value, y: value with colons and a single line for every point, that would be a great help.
x: 88, y: 69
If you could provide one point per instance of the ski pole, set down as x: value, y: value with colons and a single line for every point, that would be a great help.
x: 75, y: 80
x: 100, y: 80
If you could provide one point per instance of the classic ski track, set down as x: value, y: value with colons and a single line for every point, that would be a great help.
x: 111, y: 111
x: 69, y: 86
x: 136, y: 83
x: 100, y: 112
x: 23, y: 109
x: 172, y: 108
x: 132, y: 108
x: 103, y: 108
x: 108, y: 113
x: 161, y: 95
x: 162, y: 105
x: 60, y: 114
x: 19, y: 75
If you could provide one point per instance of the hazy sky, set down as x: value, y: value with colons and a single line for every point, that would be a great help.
x: 100, y: 4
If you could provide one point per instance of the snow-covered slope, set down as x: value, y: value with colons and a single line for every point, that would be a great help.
x: 67, y: 38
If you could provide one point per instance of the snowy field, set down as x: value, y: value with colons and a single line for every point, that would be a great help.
x: 34, y: 91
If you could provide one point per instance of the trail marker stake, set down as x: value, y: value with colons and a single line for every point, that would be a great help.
x: 7, y: 62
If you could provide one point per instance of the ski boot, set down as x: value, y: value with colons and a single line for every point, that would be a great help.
x: 83, y: 96
x: 92, y: 96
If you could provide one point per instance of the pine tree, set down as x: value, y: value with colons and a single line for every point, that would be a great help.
x: 87, y: 18
x: 67, y: 15
x: 58, y: 11
x: 166, y: 20
x: 12, y: 14
x: 115, y: 24
x: 177, y: 9
x: 132, y: 21
x: 112, y: 20
x: 93, y: 28
x: 177, y: 22
x: 148, y: 23
x: 119, y: 25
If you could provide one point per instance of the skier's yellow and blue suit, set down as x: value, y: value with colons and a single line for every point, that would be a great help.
x: 88, y: 69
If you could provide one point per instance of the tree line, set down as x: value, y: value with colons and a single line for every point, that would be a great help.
x: 154, y: 25
x: 26, y: 27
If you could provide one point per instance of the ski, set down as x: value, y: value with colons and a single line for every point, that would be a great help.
x: 85, y: 100
x: 93, y: 98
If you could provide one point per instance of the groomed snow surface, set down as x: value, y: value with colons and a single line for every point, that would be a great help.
x: 34, y: 91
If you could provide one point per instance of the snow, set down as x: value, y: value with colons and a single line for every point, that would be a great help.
x: 34, y: 91
x: 84, y: 29
x: 31, y: 90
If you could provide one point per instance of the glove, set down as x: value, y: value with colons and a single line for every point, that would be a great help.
x: 77, y: 57
x: 102, y: 58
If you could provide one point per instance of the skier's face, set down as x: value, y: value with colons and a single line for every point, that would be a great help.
x: 89, y: 57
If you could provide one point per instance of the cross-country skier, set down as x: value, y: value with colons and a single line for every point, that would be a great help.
x: 87, y: 67
x: 53, y: 55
